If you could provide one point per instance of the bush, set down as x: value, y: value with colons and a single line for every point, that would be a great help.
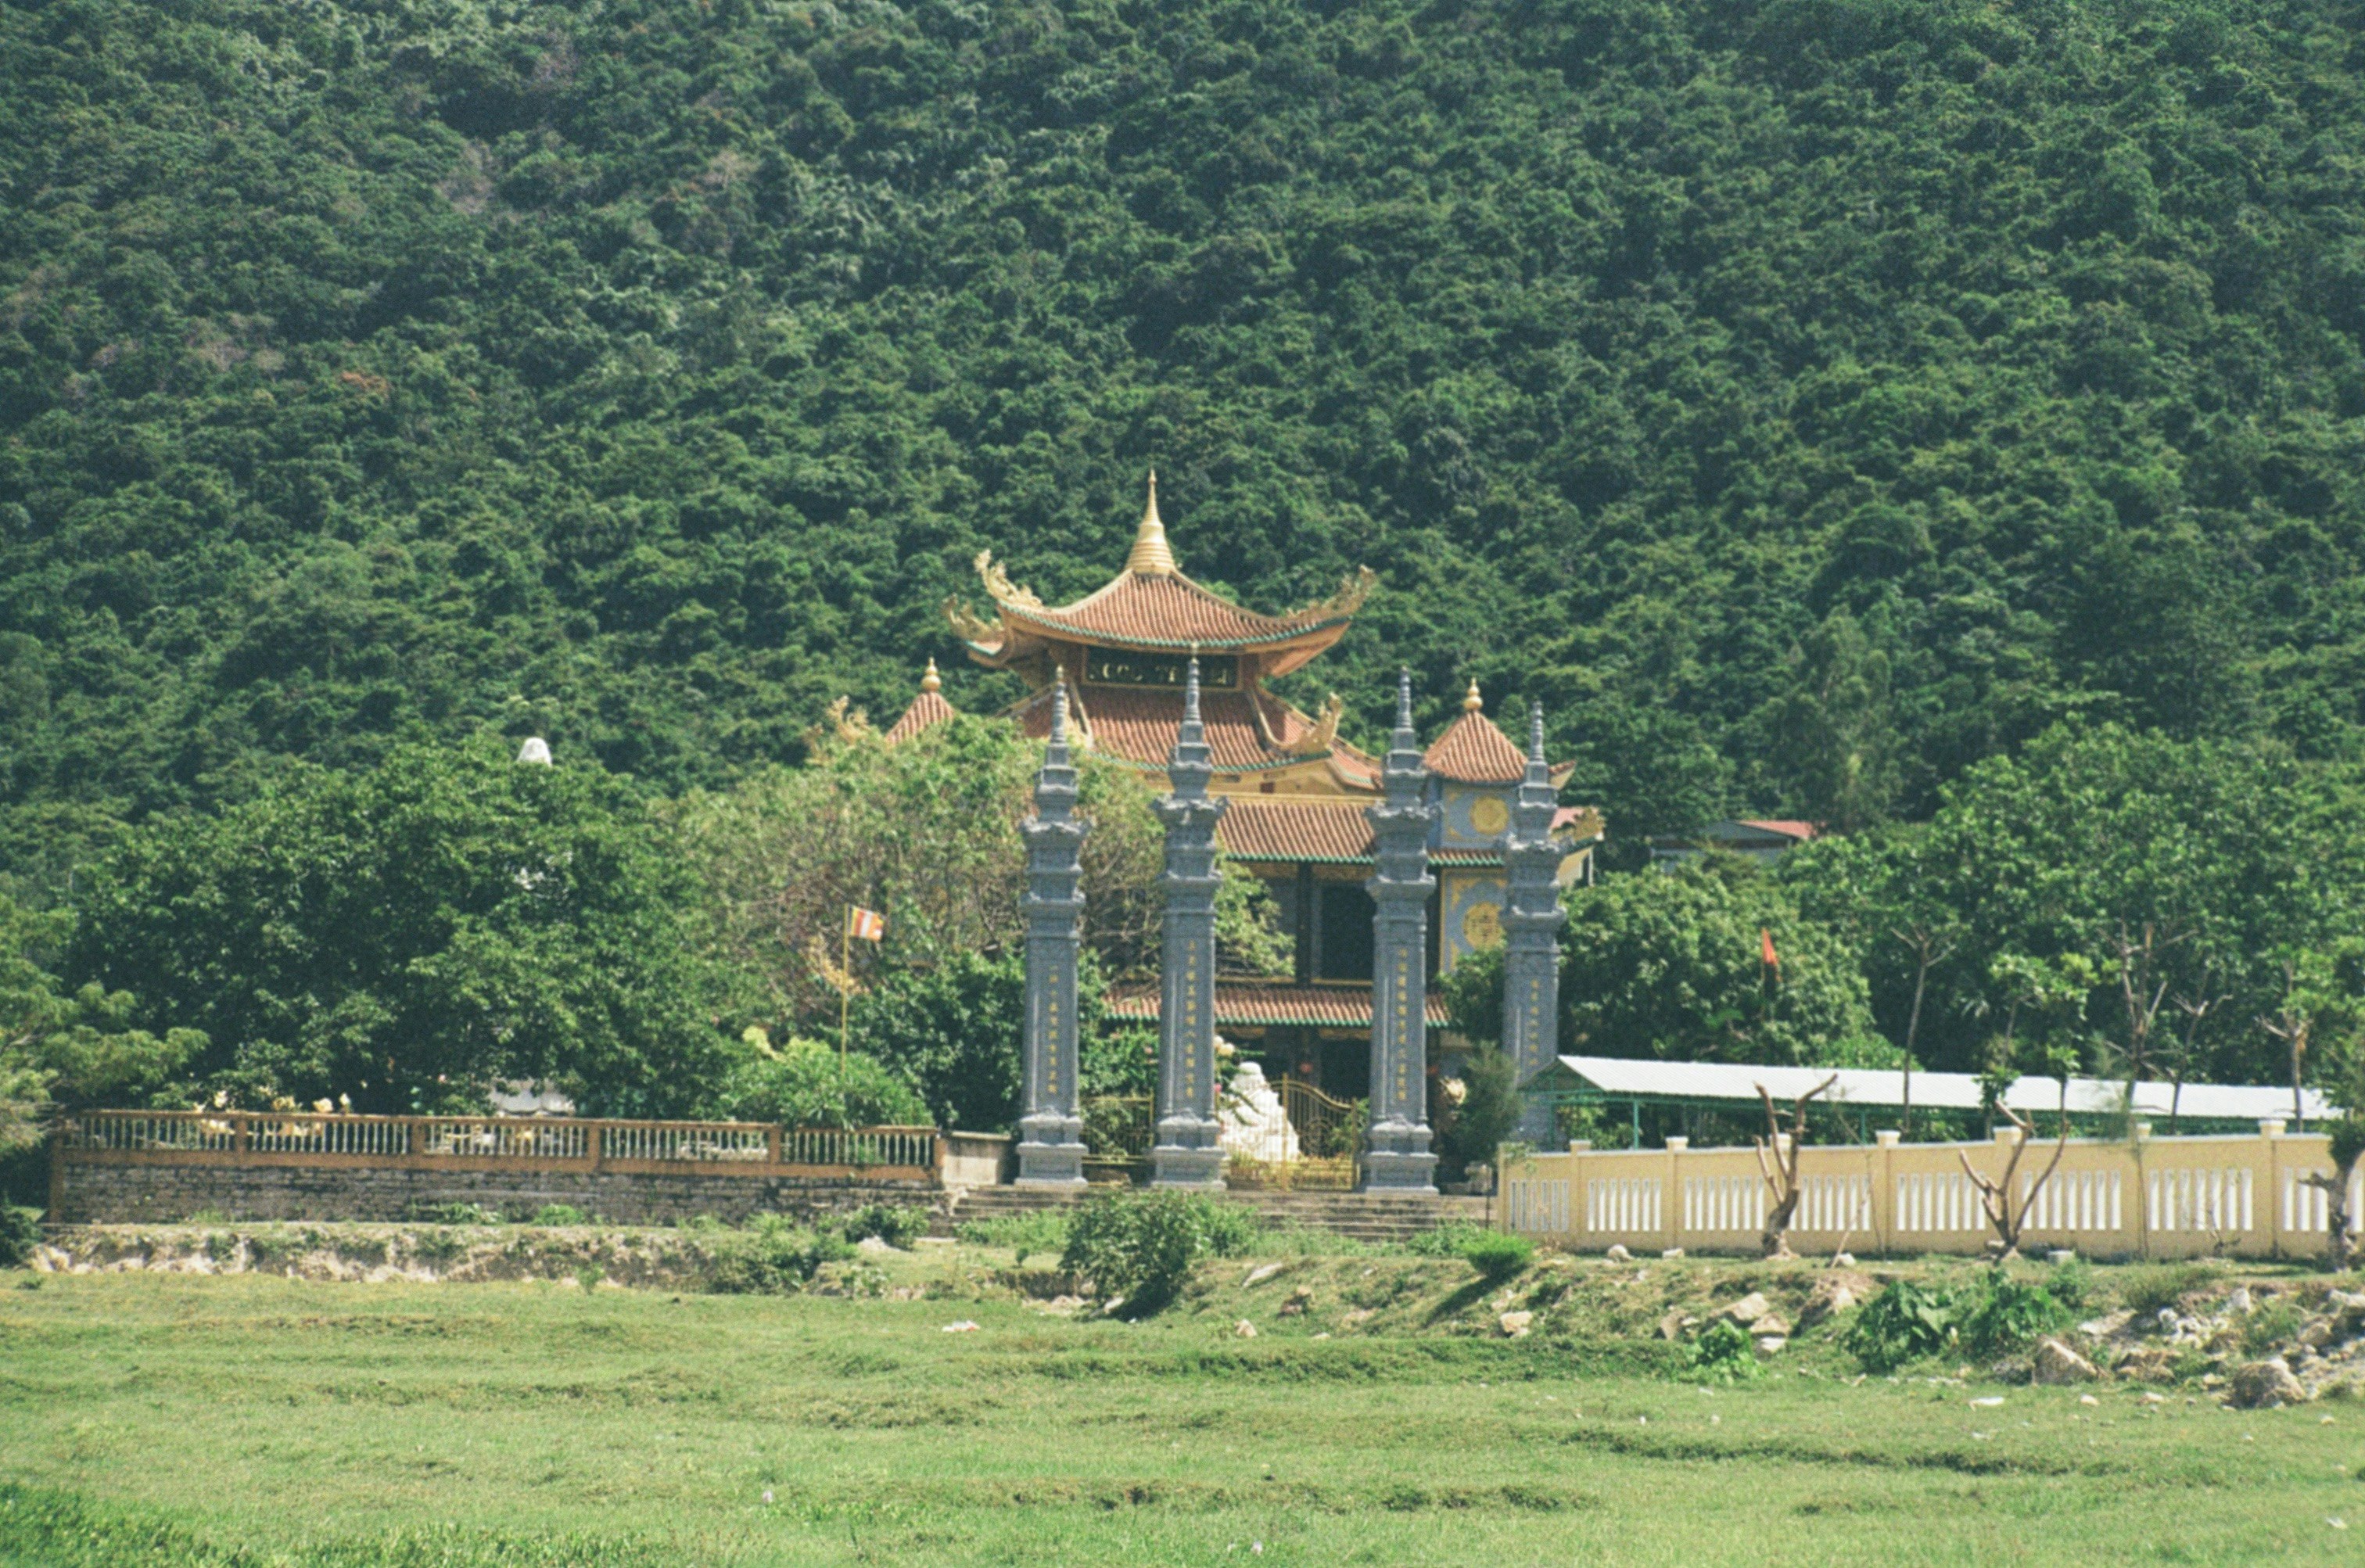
x: 898, y: 1226
x: 451, y: 1214
x: 1498, y: 1254
x: 1723, y: 1353
x: 2145, y: 1290
x: 1142, y: 1247
x: 559, y: 1214
x: 1446, y: 1240
x: 2071, y: 1283
x: 805, y: 1084
x: 1903, y: 1322
x: 2271, y: 1325
x: 2009, y: 1314
x: 771, y: 1257
x: 21, y: 1232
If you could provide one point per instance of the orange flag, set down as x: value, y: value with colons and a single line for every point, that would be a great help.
x: 867, y: 924
x: 1771, y: 961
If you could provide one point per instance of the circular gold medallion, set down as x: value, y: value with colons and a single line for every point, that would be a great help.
x: 1482, y: 927
x: 1489, y: 815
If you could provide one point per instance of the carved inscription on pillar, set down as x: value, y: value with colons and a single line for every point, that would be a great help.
x: 1395, y: 1155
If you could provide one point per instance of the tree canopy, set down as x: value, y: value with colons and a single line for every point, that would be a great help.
x: 1805, y: 399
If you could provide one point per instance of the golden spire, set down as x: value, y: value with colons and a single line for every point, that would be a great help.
x: 1471, y: 701
x: 1149, y: 555
x: 932, y: 682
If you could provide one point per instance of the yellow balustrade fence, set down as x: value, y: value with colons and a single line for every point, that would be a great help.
x: 2137, y: 1197
x: 512, y: 1143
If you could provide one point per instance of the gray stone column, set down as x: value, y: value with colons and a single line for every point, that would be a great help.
x: 1532, y: 923
x: 1186, y: 1154
x: 1396, y: 1151
x: 1050, y: 1132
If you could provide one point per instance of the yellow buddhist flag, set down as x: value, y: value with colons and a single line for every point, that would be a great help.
x: 867, y: 924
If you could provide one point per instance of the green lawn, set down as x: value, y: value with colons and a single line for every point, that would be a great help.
x: 159, y: 1419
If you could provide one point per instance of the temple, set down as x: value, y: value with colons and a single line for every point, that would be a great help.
x: 1294, y: 792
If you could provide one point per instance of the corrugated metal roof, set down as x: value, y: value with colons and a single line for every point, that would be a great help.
x: 1257, y: 1003
x: 1620, y: 1078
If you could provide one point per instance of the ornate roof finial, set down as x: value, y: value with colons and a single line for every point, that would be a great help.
x: 932, y: 682
x: 1150, y: 555
x: 1471, y: 701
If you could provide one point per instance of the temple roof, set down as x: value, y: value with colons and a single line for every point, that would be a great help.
x: 927, y: 709
x: 1151, y: 605
x: 1255, y: 827
x: 1265, y: 1004
x: 1245, y: 730
x: 1473, y: 751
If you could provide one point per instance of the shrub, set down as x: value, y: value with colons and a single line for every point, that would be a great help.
x: 2008, y: 1313
x: 207, y: 1217
x: 1142, y: 1247
x: 2270, y: 1325
x: 1498, y: 1254
x: 1903, y: 1322
x: 771, y: 1257
x: 451, y: 1214
x: 1723, y: 1353
x: 2071, y: 1283
x: 806, y: 1083
x: 21, y: 1232
x: 898, y: 1226
x: 559, y: 1214
x: 1446, y: 1240
x: 2145, y: 1290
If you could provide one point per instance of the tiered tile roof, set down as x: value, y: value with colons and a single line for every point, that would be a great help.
x: 1265, y: 1004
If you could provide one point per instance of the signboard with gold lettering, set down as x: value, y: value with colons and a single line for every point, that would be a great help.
x: 1109, y: 666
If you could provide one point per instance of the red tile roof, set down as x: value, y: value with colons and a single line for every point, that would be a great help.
x: 1473, y: 751
x: 929, y: 709
x: 1788, y: 827
x: 1253, y: 1003
x: 1140, y: 726
x: 1166, y: 609
x: 1255, y: 828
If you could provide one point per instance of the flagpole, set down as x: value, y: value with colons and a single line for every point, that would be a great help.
x: 845, y: 990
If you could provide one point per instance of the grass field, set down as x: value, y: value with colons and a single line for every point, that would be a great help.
x: 250, y: 1420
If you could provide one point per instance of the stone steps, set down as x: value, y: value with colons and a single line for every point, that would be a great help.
x: 1365, y: 1217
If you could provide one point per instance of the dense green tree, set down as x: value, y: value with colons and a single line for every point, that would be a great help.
x: 647, y: 374
x: 1671, y: 965
x: 812, y: 1083
x: 410, y: 933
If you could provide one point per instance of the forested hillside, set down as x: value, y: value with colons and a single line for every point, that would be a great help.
x: 1805, y: 398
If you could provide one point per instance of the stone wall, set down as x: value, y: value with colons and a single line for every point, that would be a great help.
x: 91, y: 1193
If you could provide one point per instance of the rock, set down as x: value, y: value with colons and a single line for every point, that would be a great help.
x: 2150, y: 1364
x: 2056, y: 1362
x: 1671, y: 1327
x: 1770, y: 1326
x: 1843, y: 1260
x: 2316, y: 1335
x: 1262, y: 1272
x: 1299, y: 1300
x: 1243, y: 1330
x: 1516, y: 1324
x: 1835, y: 1293
x: 1618, y: 1253
x: 2262, y: 1385
x: 2059, y: 1256
x: 1673, y: 1252
x: 1748, y: 1309
x: 1356, y: 1315
x: 2240, y: 1300
x: 1771, y: 1345
x: 2087, y: 1399
x: 873, y: 1245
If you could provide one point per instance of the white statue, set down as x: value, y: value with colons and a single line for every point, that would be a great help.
x: 536, y: 749
x: 1254, y: 1122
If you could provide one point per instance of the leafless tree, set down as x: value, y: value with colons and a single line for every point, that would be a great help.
x: 1995, y: 1193
x: 1777, y: 1162
x: 1930, y: 948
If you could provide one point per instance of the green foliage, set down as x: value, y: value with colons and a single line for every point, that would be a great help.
x: 1489, y: 1110
x: 2071, y: 1283
x: 770, y: 1256
x: 1045, y: 1230
x: 1473, y: 996
x: 2346, y: 1141
x: 663, y: 367
x: 1141, y: 1246
x: 2008, y: 1314
x: 1448, y: 1239
x: 451, y: 1214
x: 1672, y: 966
x: 411, y: 934
x: 1497, y: 1253
x: 2145, y: 1289
x: 21, y: 1232
x: 559, y: 1214
x: 1723, y: 1352
x: 954, y: 1029
x: 804, y: 1083
x: 898, y: 1226
x: 1903, y: 1322
x: 2270, y: 1327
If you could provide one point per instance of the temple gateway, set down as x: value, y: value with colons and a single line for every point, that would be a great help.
x: 1470, y: 816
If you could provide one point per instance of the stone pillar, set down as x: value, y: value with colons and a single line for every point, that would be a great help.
x: 1050, y: 1132
x: 1186, y: 1154
x: 1396, y: 1151
x: 1532, y: 923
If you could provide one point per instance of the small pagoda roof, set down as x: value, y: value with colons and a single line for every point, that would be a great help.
x: 1151, y: 605
x: 929, y: 709
x: 1247, y: 731
x: 1473, y: 751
